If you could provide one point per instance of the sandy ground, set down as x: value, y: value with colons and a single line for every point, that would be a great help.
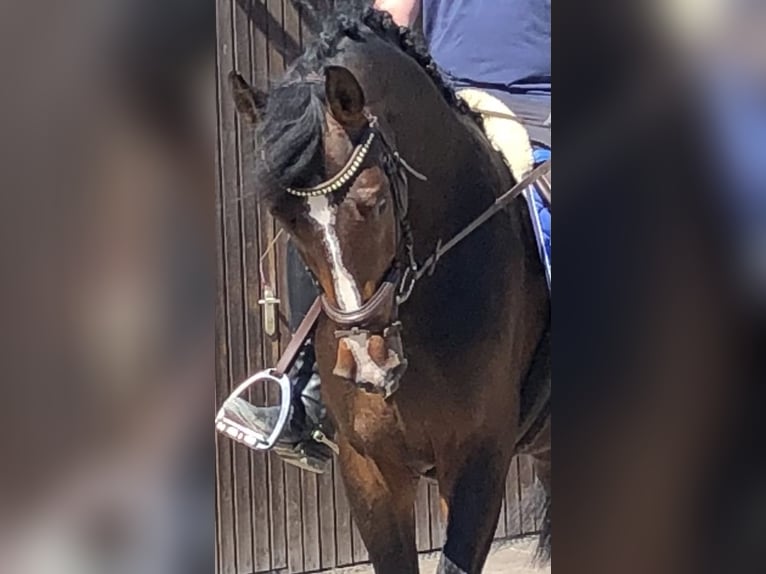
x: 508, y: 557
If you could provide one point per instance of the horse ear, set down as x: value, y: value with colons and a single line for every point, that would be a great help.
x: 345, y: 96
x: 250, y: 102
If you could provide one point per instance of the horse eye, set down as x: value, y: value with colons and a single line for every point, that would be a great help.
x: 382, y: 204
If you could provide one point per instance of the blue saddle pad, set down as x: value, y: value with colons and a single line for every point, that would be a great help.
x: 543, y: 213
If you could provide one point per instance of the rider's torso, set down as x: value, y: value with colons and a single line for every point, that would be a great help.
x: 502, y: 42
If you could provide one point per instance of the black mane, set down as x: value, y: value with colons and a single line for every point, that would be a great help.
x: 290, y: 135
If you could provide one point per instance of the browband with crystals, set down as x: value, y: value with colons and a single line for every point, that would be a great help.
x: 345, y: 175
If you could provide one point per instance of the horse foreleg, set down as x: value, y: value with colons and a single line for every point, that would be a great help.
x: 474, y: 496
x: 382, y: 502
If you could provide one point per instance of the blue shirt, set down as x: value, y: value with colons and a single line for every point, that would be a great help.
x: 501, y: 43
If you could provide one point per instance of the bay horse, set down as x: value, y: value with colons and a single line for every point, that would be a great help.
x: 368, y: 159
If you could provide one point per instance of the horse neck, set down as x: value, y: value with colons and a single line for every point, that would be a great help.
x: 464, y: 173
x: 464, y: 177
x: 481, y: 284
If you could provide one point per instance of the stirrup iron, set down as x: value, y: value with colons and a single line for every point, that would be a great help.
x: 230, y: 423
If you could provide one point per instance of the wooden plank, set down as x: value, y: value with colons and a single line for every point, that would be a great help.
x: 343, y: 535
x: 232, y: 557
x: 258, y: 461
x: 261, y: 498
x: 294, y: 519
x: 259, y: 486
x: 437, y: 524
x: 259, y: 32
x: 249, y: 208
x: 219, y: 534
x: 276, y: 34
x: 242, y: 509
x: 225, y: 504
x: 268, y: 471
x: 310, y: 519
x: 527, y: 494
x: 277, y: 512
x: 270, y: 61
x: 500, y: 530
x: 360, y: 550
x: 543, y: 498
x: 292, y: 32
x: 513, y: 500
x: 260, y: 508
x: 236, y: 308
x: 422, y: 519
x: 224, y: 498
x: 326, y: 496
x: 285, y: 480
x: 305, y: 32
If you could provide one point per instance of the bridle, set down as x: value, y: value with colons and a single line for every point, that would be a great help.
x: 393, y: 290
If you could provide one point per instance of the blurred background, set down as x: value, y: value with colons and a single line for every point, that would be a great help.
x: 107, y: 155
x: 659, y: 450
x: 113, y: 219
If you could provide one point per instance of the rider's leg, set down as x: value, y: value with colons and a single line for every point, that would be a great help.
x: 305, y: 440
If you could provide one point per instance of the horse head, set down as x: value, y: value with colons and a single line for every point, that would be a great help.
x: 330, y: 175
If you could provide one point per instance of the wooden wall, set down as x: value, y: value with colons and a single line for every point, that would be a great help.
x: 270, y: 516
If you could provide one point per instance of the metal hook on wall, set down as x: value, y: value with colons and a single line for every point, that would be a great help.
x: 270, y: 301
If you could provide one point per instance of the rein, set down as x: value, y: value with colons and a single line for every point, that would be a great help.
x: 414, y: 274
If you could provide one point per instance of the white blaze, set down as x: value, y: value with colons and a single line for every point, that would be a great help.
x: 346, y: 292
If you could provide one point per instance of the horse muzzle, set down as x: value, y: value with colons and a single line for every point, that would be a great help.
x: 374, y: 362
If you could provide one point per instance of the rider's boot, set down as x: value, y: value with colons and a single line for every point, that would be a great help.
x: 306, y: 439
